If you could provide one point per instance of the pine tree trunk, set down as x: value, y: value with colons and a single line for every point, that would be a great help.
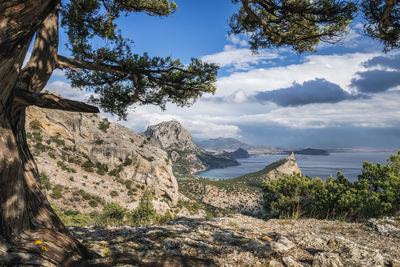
x: 27, y: 222
x: 28, y: 225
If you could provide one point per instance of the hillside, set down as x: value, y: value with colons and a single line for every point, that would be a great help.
x: 186, y: 156
x: 241, y: 194
x: 85, y: 162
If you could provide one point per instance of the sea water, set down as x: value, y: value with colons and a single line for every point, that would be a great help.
x: 349, y: 163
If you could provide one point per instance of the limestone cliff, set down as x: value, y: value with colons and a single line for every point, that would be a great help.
x: 185, y: 154
x: 86, y: 159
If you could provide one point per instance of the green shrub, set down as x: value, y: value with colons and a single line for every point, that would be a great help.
x: 113, y: 193
x: 104, y: 125
x: 99, y: 141
x: 44, y: 180
x: 112, y: 214
x: 101, y: 168
x: 35, y: 124
x: 52, y: 155
x: 88, y: 166
x: 57, y: 192
x: 84, y: 194
x: 145, y: 212
x: 93, y: 203
x: 375, y: 194
x: 56, y: 139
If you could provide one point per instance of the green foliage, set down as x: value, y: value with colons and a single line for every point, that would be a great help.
x: 113, y: 193
x: 44, y: 180
x: 104, y: 125
x: 99, y: 141
x: 35, y: 124
x: 382, y: 21
x: 93, y: 203
x: 299, y: 24
x: 375, y: 194
x: 72, y: 218
x: 52, y: 155
x: 302, y: 25
x: 101, y: 168
x: 192, y: 206
x: 113, y: 214
x: 145, y: 211
x: 56, y: 139
x: 57, y: 192
x: 88, y: 166
x: 126, y: 78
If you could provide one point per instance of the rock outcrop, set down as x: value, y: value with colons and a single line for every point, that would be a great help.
x: 245, y: 241
x: 84, y: 152
x: 185, y: 154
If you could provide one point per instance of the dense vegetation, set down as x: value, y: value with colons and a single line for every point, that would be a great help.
x: 115, y: 214
x: 376, y: 193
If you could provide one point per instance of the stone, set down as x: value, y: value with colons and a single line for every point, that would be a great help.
x: 326, y: 259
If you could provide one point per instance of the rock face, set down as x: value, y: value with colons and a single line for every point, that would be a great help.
x: 185, y: 154
x: 245, y: 241
x: 86, y: 152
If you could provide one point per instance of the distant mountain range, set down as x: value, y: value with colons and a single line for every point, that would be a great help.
x: 230, y: 145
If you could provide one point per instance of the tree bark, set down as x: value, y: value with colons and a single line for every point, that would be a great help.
x: 34, y: 233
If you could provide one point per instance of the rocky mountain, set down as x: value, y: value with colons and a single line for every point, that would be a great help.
x: 185, y: 154
x: 231, y: 144
x: 86, y: 161
x: 220, y: 144
x: 239, y: 153
x: 242, y: 194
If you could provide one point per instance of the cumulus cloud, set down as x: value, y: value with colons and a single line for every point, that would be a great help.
x: 314, y: 91
x: 337, y: 69
x: 376, y: 81
x: 391, y: 62
x: 66, y: 90
x: 236, y: 56
x: 382, y: 74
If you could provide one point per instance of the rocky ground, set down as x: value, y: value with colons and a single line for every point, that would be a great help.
x: 246, y: 241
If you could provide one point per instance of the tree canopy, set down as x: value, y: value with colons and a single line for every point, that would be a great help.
x: 119, y: 77
x: 303, y: 24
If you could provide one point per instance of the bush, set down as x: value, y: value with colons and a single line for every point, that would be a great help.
x: 35, y: 124
x: 57, y: 192
x: 44, y: 180
x: 93, y: 203
x: 113, y: 193
x: 88, y: 166
x: 375, y: 194
x: 104, y: 125
x: 112, y: 214
x: 145, y: 212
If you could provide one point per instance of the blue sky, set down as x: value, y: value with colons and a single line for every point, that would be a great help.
x: 342, y: 96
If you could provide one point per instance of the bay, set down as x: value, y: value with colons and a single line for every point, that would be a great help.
x: 349, y: 163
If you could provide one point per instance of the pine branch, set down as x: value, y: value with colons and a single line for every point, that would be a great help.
x: 45, y: 100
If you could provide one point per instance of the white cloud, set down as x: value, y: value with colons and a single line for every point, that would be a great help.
x: 64, y: 89
x: 338, y: 69
x: 235, y: 55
